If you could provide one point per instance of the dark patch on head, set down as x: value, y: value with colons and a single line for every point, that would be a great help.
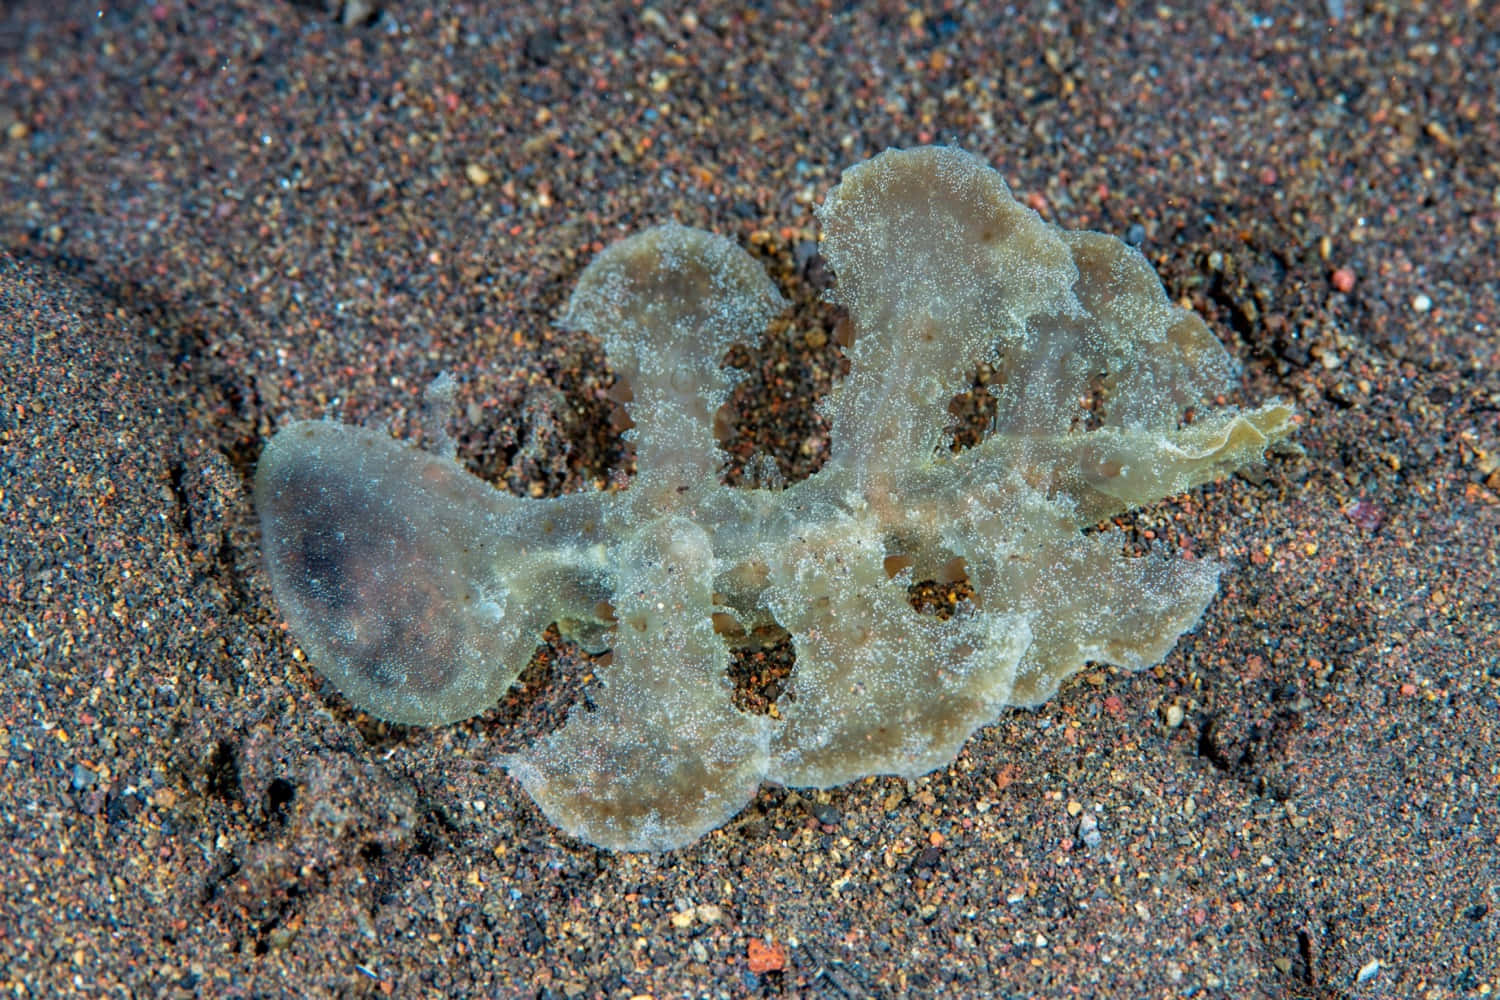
x: 372, y: 593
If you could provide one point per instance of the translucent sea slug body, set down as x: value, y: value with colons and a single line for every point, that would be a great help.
x: 421, y: 592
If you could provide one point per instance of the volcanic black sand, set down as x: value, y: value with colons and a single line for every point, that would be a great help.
x: 218, y: 218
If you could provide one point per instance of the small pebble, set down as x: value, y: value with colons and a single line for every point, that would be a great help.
x: 1421, y: 303
x: 1343, y: 280
x: 1088, y: 831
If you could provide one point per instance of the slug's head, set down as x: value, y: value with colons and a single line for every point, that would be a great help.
x: 371, y: 549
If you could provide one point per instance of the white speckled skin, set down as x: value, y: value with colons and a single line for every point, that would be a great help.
x: 421, y: 592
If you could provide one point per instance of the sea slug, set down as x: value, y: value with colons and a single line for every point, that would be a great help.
x: 421, y: 591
